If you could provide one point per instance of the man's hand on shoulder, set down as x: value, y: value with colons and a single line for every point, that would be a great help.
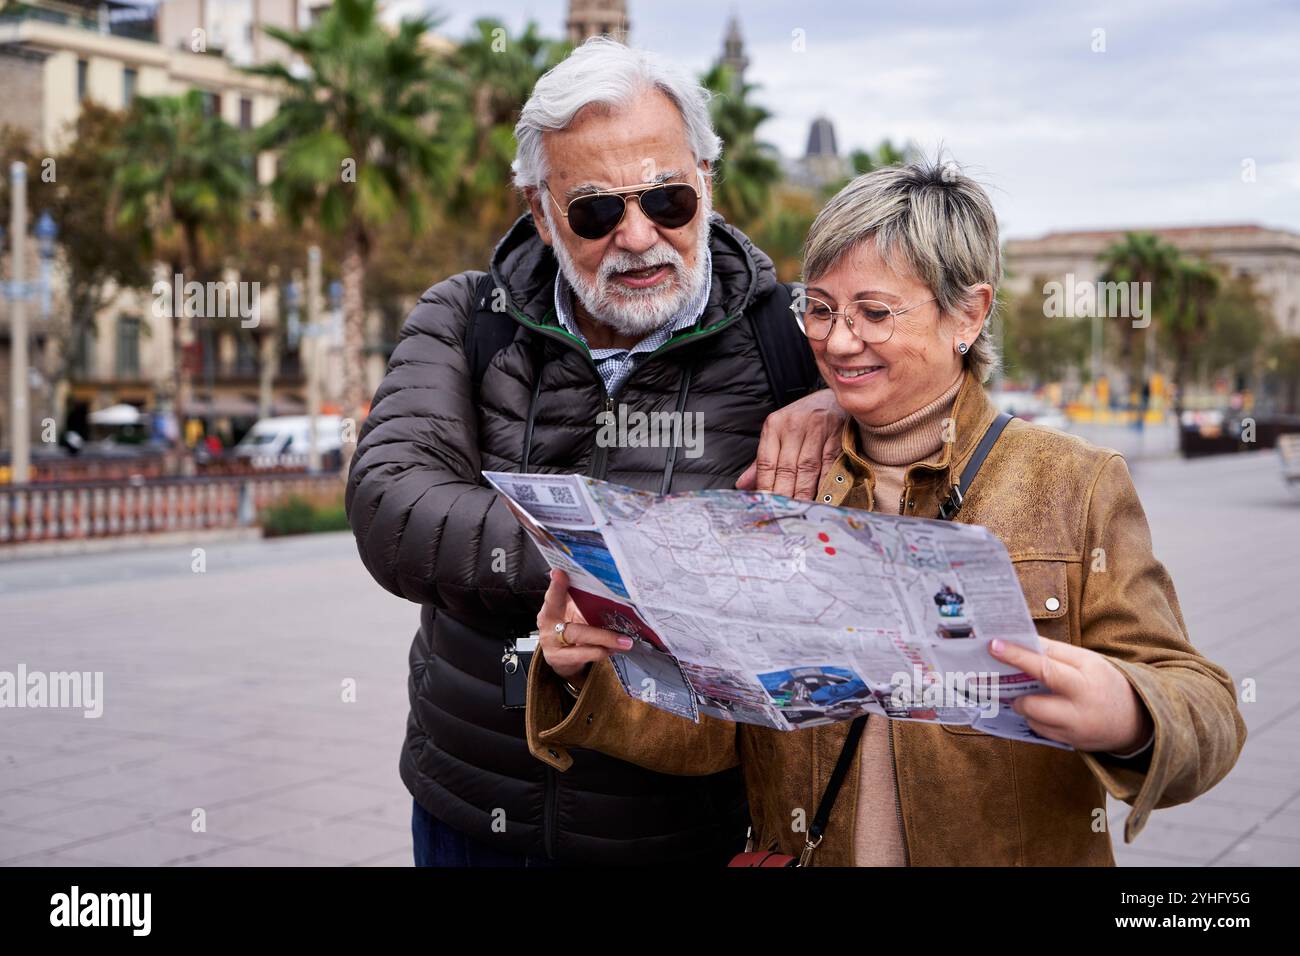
x: 798, y: 444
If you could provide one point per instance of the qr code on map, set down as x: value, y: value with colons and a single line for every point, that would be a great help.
x: 524, y: 493
x: 561, y: 495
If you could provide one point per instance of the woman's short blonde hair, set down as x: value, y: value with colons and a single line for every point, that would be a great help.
x: 928, y: 217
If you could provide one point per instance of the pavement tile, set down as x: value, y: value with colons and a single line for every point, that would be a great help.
x: 88, y: 819
x: 16, y: 842
x: 327, y: 798
x: 151, y: 845
x: 342, y: 841
x: 18, y: 806
x: 254, y: 855
x: 1259, y: 849
x: 401, y: 858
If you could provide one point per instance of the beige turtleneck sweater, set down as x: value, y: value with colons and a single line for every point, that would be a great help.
x: 889, y: 450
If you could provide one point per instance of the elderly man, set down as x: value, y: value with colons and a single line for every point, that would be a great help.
x: 620, y: 295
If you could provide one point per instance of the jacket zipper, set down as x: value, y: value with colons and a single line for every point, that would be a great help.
x: 893, y: 760
x: 600, y: 457
x: 898, y: 798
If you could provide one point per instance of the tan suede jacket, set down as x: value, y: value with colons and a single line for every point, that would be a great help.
x: 1078, y: 538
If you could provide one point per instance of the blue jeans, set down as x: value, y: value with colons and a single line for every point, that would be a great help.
x: 437, y: 844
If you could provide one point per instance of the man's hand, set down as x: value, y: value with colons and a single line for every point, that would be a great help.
x: 583, y: 645
x: 1091, y: 707
x: 799, y: 442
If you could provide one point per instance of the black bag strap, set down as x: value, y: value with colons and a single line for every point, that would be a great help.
x: 787, y: 358
x: 947, y: 511
x: 487, y: 331
x: 823, y: 815
x: 952, y: 504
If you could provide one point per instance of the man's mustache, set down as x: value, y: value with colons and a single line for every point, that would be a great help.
x: 627, y: 262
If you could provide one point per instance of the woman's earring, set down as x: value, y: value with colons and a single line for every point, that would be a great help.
x: 962, y: 347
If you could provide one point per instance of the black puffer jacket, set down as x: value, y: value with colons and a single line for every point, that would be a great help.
x: 430, y: 530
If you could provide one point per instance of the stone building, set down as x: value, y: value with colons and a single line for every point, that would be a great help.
x: 56, y: 54
x: 593, y: 18
x: 1271, y: 257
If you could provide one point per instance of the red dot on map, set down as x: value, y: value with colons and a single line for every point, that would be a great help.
x: 823, y: 536
x: 830, y: 550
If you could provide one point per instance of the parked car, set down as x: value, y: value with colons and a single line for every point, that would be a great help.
x: 1031, y: 408
x: 283, y: 441
x: 1220, y: 431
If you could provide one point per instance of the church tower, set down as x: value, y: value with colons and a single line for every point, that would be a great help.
x: 733, y: 53
x: 592, y: 18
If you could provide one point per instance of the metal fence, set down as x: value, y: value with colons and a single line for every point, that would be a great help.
x: 67, y: 511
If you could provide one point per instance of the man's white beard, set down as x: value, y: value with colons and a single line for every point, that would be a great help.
x: 638, y: 312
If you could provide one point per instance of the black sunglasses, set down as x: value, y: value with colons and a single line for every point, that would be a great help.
x: 671, y: 205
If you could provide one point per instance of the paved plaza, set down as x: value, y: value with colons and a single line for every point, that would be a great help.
x: 254, y: 710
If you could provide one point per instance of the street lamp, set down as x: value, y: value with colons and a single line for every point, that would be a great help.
x: 313, y: 365
x: 336, y: 309
x: 46, y: 234
x: 292, y: 302
x: 19, y: 422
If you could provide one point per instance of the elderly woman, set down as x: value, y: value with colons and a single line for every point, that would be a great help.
x: 901, y: 270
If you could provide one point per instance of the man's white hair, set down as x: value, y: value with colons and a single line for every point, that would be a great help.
x: 605, y: 72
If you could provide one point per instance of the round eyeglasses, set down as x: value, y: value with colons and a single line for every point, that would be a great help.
x: 869, y: 319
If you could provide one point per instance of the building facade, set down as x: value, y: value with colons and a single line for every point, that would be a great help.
x: 55, y: 55
x: 594, y: 18
x: 1270, y: 257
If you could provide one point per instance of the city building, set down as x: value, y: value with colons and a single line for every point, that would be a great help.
x: 57, y: 54
x: 733, y: 54
x: 821, y: 164
x: 1271, y: 257
x: 594, y: 18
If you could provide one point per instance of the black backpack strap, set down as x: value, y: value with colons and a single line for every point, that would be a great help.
x: 787, y: 359
x: 952, y: 504
x: 823, y: 816
x: 487, y: 331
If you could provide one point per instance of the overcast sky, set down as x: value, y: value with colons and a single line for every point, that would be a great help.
x: 1154, y: 131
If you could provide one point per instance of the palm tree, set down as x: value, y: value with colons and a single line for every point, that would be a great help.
x: 1141, y: 257
x: 749, y: 168
x: 493, y: 74
x: 182, y: 175
x: 98, y: 257
x: 357, y: 141
x: 886, y: 154
x: 1196, y: 285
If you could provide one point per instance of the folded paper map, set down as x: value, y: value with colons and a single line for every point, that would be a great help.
x: 765, y: 610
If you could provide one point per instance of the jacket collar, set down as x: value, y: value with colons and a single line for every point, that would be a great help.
x: 526, y: 268
x: 972, y: 414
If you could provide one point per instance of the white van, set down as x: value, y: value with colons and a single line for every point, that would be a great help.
x: 283, y: 441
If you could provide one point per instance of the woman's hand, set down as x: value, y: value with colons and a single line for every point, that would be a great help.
x: 1091, y: 707
x: 586, y: 644
x: 798, y: 443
